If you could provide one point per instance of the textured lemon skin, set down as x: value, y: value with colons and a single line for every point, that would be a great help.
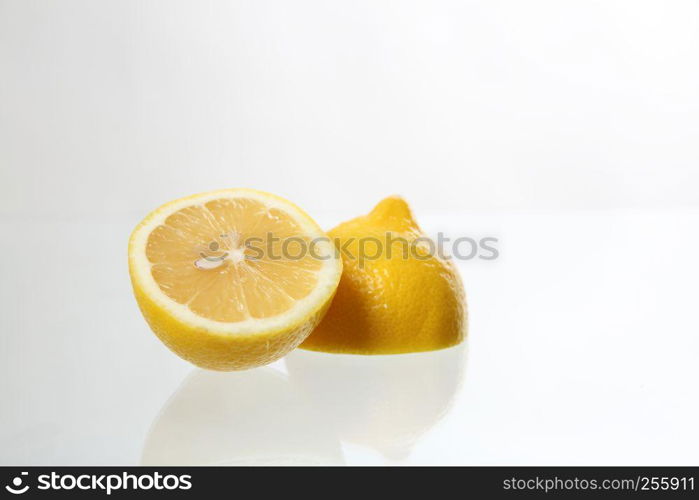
x: 391, y: 305
x: 224, y: 352
x: 211, y: 349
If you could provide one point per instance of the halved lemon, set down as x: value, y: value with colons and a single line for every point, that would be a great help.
x: 232, y: 279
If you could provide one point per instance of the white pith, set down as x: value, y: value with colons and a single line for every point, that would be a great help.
x: 328, y: 274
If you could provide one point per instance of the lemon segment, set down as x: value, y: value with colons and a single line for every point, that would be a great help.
x: 391, y: 299
x: 226, y: 279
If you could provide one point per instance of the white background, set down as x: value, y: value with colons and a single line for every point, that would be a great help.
x: 569, y: 130
x: 454, y: 104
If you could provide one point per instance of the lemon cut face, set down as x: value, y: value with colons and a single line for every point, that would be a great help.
x: 232, y: 279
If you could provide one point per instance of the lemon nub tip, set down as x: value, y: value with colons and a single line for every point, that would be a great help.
x: 393, y: 208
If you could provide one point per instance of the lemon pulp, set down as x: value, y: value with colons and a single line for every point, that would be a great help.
x: 213, y: 258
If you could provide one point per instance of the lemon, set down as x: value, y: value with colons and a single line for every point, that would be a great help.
x: 217, y: 282
x: 396, y: 294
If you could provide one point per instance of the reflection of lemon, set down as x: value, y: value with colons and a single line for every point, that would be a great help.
x: 254, y: 417
x: 383, y: 402
x: 396, y: 294
x: 215, y: 299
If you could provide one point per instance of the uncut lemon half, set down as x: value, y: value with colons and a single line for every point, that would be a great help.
x: 396, y: 295
x: 232, y: 279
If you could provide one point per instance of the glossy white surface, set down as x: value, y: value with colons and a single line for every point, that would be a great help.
x: 582, y: 350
